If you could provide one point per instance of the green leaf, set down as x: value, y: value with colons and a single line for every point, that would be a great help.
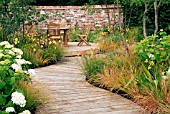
x: 156, y: 83
x: 2, y: 73
x: 12, y: 81
x: 10, y: 104
x: 11, y: 72
x: 147, y: 72
x: 131, y: 79
x: 3, y: 112
x: 151, y: 50
x: 2, y: 85
x: 2, y: 99
x: 163, y: 53
x: 8, y: 89
x: 20, y: 91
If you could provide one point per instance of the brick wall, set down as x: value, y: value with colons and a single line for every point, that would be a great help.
x: 76, y: 15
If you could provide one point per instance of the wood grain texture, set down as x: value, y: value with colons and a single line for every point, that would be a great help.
x: 71, y: 94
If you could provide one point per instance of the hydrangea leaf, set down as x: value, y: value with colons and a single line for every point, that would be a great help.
x: 2, y: 85
x: 2, y: 99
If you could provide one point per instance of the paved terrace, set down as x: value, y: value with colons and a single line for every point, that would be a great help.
x: 71, y: 94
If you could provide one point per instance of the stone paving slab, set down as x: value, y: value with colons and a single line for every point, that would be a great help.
x: 71, y: 94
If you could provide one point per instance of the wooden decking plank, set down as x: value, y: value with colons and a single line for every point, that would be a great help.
x: 71, y: 94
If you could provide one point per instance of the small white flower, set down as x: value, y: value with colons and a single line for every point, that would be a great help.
x: 9, y: 109
x: 31, y: 72
x: 168, y: 72
x: 11, y: 52
x: 163, y: 73
x: 8, y: 46
x: 151, y: 55
x: 1, y: 50
x: 16, y: 67
x: 4, y: 43
x: 25, y: 112
x: 18, y: 51
x: 18, y: 99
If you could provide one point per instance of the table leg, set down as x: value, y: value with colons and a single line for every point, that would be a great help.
x: 65, y: 38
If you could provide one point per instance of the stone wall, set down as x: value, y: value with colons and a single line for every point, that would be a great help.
x: 76, y: 15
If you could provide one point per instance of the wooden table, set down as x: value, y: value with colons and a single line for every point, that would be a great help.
x: 65, y: 37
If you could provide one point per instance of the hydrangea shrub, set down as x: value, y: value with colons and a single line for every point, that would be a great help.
x: 13, y: 70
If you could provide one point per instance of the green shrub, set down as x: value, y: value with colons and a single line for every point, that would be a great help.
x: 155, y: 51
x: 13, y: 71
x: 152, y: 78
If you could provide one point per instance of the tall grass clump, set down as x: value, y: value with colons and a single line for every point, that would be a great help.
x: 41, y: 56
x: 92, y: 66
x: 36, y: 95
x: 143, y: 74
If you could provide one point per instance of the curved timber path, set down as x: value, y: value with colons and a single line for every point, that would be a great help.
x: 71, y: 94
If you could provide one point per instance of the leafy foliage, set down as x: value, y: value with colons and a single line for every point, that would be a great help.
x: 12, y: 69
x: 155, y: 50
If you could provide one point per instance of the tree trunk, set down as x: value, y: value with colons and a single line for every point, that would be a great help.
x: 108, y: 16
x: 121, y: 29
x: 156, y: 16
x: 144, y: 20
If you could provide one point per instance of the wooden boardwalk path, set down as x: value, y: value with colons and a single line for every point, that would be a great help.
x: 71, y: 94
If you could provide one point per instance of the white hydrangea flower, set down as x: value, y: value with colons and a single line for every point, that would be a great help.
x: 18, y: 99
x: 5, y: 62
x: 9, y: 109
x: 20, y: 61
x: 28, y: 62
x: 32, y: 72
x: 1, y: 55
x: 151, y: 55
x: 11, y: 52
x: 16, y: 66
x: 25, y: 112
x: 8, y: 46
x: 18, y: 51
x: 4, y: 43
x: 18, y: 56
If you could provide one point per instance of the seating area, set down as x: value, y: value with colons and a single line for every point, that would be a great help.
x: 73, y: 57
x: 57, y: 31
x: 83, y: 37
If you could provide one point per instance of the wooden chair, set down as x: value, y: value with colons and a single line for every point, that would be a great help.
x: 83, y: 37
x: 53, y: 33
